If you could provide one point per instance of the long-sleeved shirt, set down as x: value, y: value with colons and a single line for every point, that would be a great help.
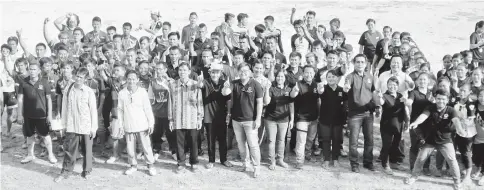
x: 134, y: 110
x: 79, y: 110
x: 186, y: 107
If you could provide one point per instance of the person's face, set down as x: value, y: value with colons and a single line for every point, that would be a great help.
x: 467, y: 58
x: 207, y: 57
x: 425, y: 70
x: 5, y: 52
x: 360, y: 64
x: 333, y: 26
x: 96, y: 25
x: 40, y: 51
x: 476, y: 76
x: 231, y: 21
x: 80, y: 79
x: 245, y: 73
x: 34, y: 70
x: 392, y: 86
x: 173, y: 40
x: 447, y: 63
x: 78, y: 35
x: 12, y: 44
x: 183, y: 72
x: 258, y: 69
x: 109, y: 54
x: 193, y: 19
x: 280, y: 78
x: 87, y: 50
x: 268, y: 23
x: 174, y: 55
x: 143, y: 69
x: 423, y: 81
x: 441, y: 101
x: 132, y: 80
x: 131, y: 57
x: 47, y: 67
x: 464, y: 91
x: 21, y: 66
x: 238, y: 59
x: 144, y: 44
x: 294, y: 61
x: 63, y: 54
x: 64, y: 39
x: 119, y: 72
x: 331, y: 79
x: 244, y: 21
x: 332, y: 60
x: 117, y: 42
x: 266, y: 59
x: 311, y: 60
x: 308, y: 74
x: 309, y: 18
x: 338, y: 40
x: 165, y: 29
x: 215, y: 75
x: 406, y: 39
x: 444, y: 85
x: 67, y: 70
x: 420, y: 61
x: 244, y: 43
x: 126, y: 30
x: 160, y: 70
x: 343, y: 56
x: 387, y: 33
x: 271, y: 44
x: 404, y: 49
x: 461, y: 72
x: 154, y: 17
x: 299, y: 29
x: 90, y: 67
x: 396, y: 40
x: 111, y: 33
x: 321, y: 30
x: 72, y: 22
x: 318, y: 48
x: 371, y: 26
x: 412, y: 52
x: 202, y: 32
x: 396, y: 64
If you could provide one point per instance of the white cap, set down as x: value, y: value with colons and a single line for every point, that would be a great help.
x: 216, y: 66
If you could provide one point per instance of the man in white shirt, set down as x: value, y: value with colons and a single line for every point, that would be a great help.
x: 405, y: 81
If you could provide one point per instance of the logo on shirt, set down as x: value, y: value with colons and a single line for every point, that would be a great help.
x: 369, y: 80
x: 41, y: 87
x: 286, y: 93
x: 446, y: 116
x: 340, y: 94
x: 452, y: 100
x: 300, y: 78
x: 249, y: 90
x: 315, y: 90
x: 471, y: 107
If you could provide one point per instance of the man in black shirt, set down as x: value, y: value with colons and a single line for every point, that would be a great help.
x: 443, y: 122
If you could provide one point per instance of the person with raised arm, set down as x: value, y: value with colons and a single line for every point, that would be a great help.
x: 67, y: 23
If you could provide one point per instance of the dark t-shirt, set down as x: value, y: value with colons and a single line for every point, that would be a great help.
x: 369, y: 42
x: 333, y: 106
x: 293, y: 78
x: 440, y: 128
x: 244, y: 98
x: 214, y: 103
x: 278, y: 109
x: 420, y: 102
x: 35, y: 98
x: 393, y: 113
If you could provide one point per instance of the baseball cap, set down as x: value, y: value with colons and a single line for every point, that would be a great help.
x: 215, y: 67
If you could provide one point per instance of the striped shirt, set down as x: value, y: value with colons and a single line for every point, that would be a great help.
x: 186, y: 108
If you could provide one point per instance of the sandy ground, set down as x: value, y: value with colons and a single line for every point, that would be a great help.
x: 438, y: 27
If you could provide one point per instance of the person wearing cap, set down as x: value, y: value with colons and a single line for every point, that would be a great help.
x: 369, y: 40
x: 13, y: 42
x: 96, y: 36
x: 215, y: 113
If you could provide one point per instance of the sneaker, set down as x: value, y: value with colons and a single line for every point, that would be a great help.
x: 481, y: 181
x: 317, y: 152
x: 209, y: 165
x: 256, y: 172
x: 476, y: 175
x: 131, y: 170
x: 227, y: 164
x: 282, y: 164
x: 85, y: 174
x: 272, y: 166
x: 152, y: 171
x: 325, y: 165
x: 343, y: 153
x: 173, y: 155
x: 156, y: 156
x: 195, y: 168
x: 111, y: 160
x: 140, y: 156
x: 27, y: 159
x: 180, y: 169
x: 410, y: 180
x: 457, y: 186
x: 200, y: 152
x: 335, y: 163
x: 299, y: 166
x: 388, y: 170
x: 62, y: 176
x: 426, y: 171
x: 355, y: 169
x: 308, y: 158
x: 52, y: 159
x: 370, y: 167
x: 438, y: 173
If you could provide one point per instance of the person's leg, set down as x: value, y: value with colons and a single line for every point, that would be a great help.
x: 439, y: 160
x: 156, y: 135
x: 336, y: 134
x: 395, y: 153
x: 311, y: 136
x: 180, y: 141
x: 412, y: 154
x: 71, y: 148
x: 301, y: 137
x: 144, y: 139
x: 280, y: 141
x: 271, y: 129
x: 368, y: 136
x: 86, y: 146
x: 193, y: 134
x: 10, y: 118
x: 423, y: 154
x: 292, y: 141
x: 386, y: 141
x: 211, y: 137
x: 448, y: 151
x: 106, y: 114
x: 252, y: 142
x: 354, y: 125
x: 170, y: 135
x: 325, y: 137
x: 464, y: 146
x: 131, y: 149
x: 241, y: 138
x: 221, y: 137
x: 261, y: 132
x: 43, y: 130
x: 29, y: 131
x: 199, y: 141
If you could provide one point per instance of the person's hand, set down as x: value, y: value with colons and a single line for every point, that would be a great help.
x: 171, y: 126
x: 293, y: 10
x: 296, y: 88
x: 453, y: 76
x: 57, y: 116
x: 406, y: 127
x: 199, y: 126
x: 421, y: 143
x: 379, y: 93
x: 227, y: 119
x: 92, y: 134
x: 20, y: 119
x: 192, y: 38
x: 227, y: 84
x: 68, y: 15
x: 346, y: 87
x: 49, y: 119
x: 200, y: 80
x: 150, y: 130
x: 19, y: 33
x: 321, y: 87
x: 46, y: 20
x: 55, y: 66
x: 254, y: 55
x: 257, y: 123
x: 290, y: 124
x: 412, y: 125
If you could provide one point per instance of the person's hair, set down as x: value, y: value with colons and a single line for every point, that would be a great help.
x: 465, y: 53
x: 13, y: 38
x: 206, y: 50
x: 419, y: 53
x: 62, y: 33
x: 143, y: 62
x: 334, y: 72
x: 41, y: 44
x: 193, y: 14
x: 295, y: 54
x: 396, y: 33
x: 239, y: 52
x: 111, y: 28
x: 297, y: 22
x: 271, y: 18
x: 404, y: 34
x: 317, y: 43
x: 78, y: 21
x: 336, y: 21
x: 82, y: 71
x: 457, y: 56
x: 276, y: 73
x: 167, y: 24
x: 87, y: 61
x: 423, y: 75
x: 396, y: 56
x: 448, y: 56
x: 462, y: 65
x: 67, y: 64
x: 202, y: 25
x: 162, y: 63
x: 311, y: 13
x: 322, y: 26
x: 120, y: 66
x: 172, y: 48
x: 442, y: 92
x: 107, y: 47
x: 339, y: 34
x: 129, y: 72
x: 127, y: 24
x: 131, y: 50
x: 227, y: 16
x: 117, y: 36
x: 21, y: 60
x: 5, y: 46
x: 370, y: 20
x: 270, y: 53
x: 241, y: 16
x: 243, y: 36
x: 242, y: 65
x: 62, y: 46
x: 443, y: 79
x: 144, y: 38
x: 96, y: 19
x: 311, y: 54
x: 359, y: 55
x: 78, y: 29
x: 421, y: 58
x: 332, y: 52
x: 215, y: 34
x: 387, y: 27
x: 426, y: 64
x: 271, y: 37
x: 260, y: 28
x: 177, y: 34
x: 393, y: 79
x: 184, y: 63
x: 44, y: 60
x: 479, y: 24
x: 35, y: 63
x: 84, y: 56
x: 309, y: 66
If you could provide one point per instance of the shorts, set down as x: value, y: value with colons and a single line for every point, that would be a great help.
x: 9, y: 99
x: 32, y: 126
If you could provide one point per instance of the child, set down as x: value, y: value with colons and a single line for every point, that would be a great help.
x: 478, y: 146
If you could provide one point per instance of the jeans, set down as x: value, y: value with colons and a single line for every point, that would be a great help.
x: 464, y: 146
x: 276, y: 131
x: 71, y: 149
x: 447, y: 151
x: 355, y: 124
x: 216, y: 132
x: 478, y: 156
x: 330, y: 137
x: 306, y: 133
x: 162, y: 127
x: 246, y: 134
x: 390, y: 147
x: 184, y: 136
x: 144, y: 138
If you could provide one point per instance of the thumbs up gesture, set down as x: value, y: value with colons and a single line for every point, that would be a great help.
x: 346, y: 87
x: 200, y: 80
x: 296, y: 88
x: 227, y: 84
x: 321, y: 87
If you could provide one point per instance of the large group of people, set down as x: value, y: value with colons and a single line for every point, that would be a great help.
x: 196, y: 87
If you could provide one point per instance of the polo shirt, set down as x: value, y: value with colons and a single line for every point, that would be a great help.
x: 35, y: 98
x: 112, y: 91
x: 383, y: 80
x: 278, y: 109
x: 420, y: 102
x: 369, y: 42
x: 247, y: 55
x: 393, y: 113
x: 214, y: 103
x: 322, y: 73
x: 292, y: 78
x: 306, y: 102
x: 333, y: 106
x: 129, y: 42
x: 477, y: 53
x: 440, y: 128
x: 95, y: 37
x: 187, y: 32
x: 360, y: 96
x: 244, y: 100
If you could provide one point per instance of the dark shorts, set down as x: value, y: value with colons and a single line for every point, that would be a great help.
x: 32, y: 126
x: 9, y: 99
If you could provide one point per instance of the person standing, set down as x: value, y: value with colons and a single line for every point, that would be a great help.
x: 368, y: 41
x: 136, y: 117
x: 80, y: 118
x: 185, y: 113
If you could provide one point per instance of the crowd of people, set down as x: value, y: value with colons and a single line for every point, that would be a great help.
x: 197, y: 87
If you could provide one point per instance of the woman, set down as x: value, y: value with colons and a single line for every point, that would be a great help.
x: 391, y: 47
x: 477, y: 42
x: 279, y: 116
x: 369, y: 39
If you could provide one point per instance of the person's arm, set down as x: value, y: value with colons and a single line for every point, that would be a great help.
x: 47, y: 35
x: 362, y: 48
x: 59, y: 104
x: 59, y: 22
x: 200, y: 109
x: 151, y: 95
x: 457, y: 124
x: 64, y: 103
x: 361, y: 42
x: 291, y: 113
x: 420, y: 119
x: 291, y: 20
x: 267, y: 97
x: 94, y: 113
x: 258, y: 112
x: 279, y: 42
x: 474, y: 43
x: 148, y: 113
x: 380, y: 101
x: 22, y: 43
x: 308, y: 35
x: 271, y: 76
x: 49, y: 107
x: 191, y: 49
x: 251, y: 43
x: 409, y: 82
x: 184, y: 36
x: 228, y: 43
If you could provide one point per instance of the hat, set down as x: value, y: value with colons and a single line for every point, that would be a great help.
x: 216, y: 67
x: 328, y: 34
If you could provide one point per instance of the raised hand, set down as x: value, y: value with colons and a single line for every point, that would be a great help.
x: 293, y: 10
x: 46, y: 20
x: 321, y: 87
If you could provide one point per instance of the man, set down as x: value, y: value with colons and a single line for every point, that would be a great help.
x: 273, y: 32
x: 215, y: 110
x: 185, y: 114
x: 202, y: 40
x: 128, y: 40
x: 40, y: 49
x: 35, y: 92
x: 443, y: 122
x: 161, y: 41
x: 294, y: 70
x: 136, y: 118
x: 79, y: 117
x: 309, y: 20
x: 246, y: 45
x: 306, y: 111
x: 96, y: 36
x: 190, y: 29
x: 110, y: 31
x: 7, y: 65
x: 271, y: 47
x: 405, y: 81
x: 174, y: 63
x: 130, y: 59
x: 359, y: 85
x: 241, y: 27
x: 225, y: 30
x: 387, y: 34
x: 246, y: 113
x: 13, y: 43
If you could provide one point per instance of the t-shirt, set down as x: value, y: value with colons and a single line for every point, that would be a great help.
x: 477, y: 53
x: 94, y: 38
x: 479, y: 139
x: 306, y: 102
x: 420, y: 102
x: 393, y: 113
x: 35, y: 98
x: 369, y: 41
x: 337, y: 101
x: 278, y: 108
x: 292, y: 78
x: 244, y: 98
x: 440, y: 128
x: 159, y: 92
x: 214, y: 103
x: 187, y: 32
x: 300, y: 44
x: 466, y: 111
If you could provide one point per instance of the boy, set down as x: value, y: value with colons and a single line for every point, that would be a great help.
x: 128, y: 40
x: 60, y: 85
x: 301, y: 41
x: 7, y: 79
x: 110, y: 31
x: 272, y: 31
x: 96, y: 36
x: 190, y: 29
